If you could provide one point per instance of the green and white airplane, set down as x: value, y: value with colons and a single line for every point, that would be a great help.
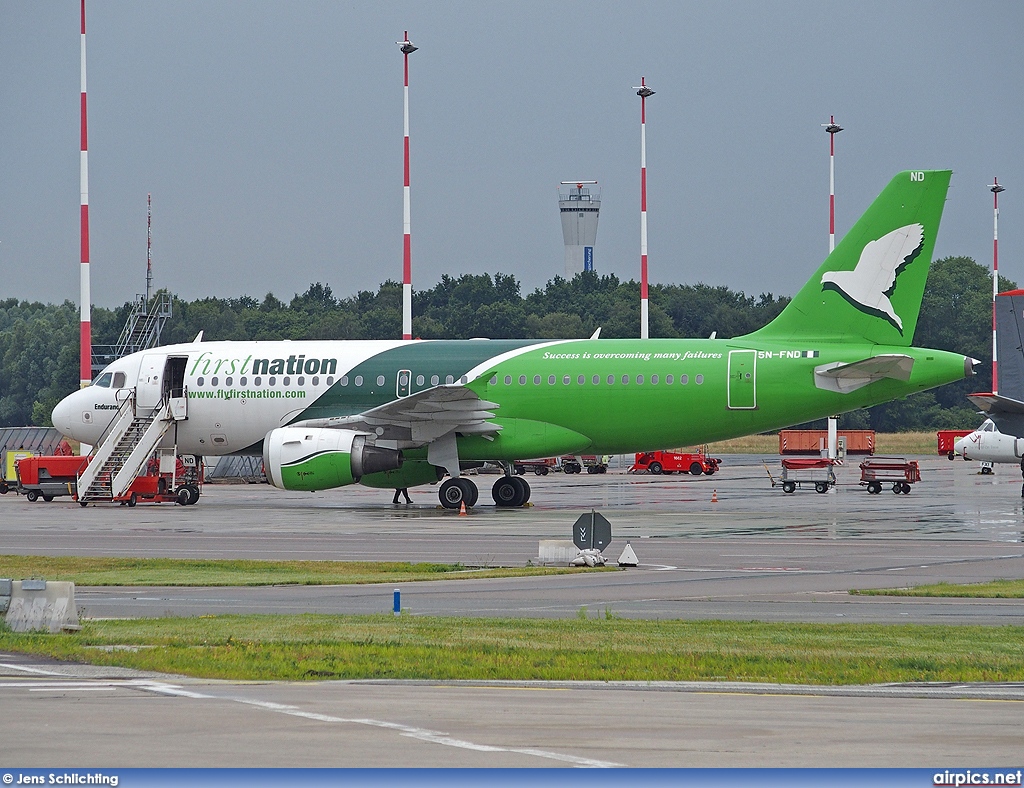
x: 395, y: 414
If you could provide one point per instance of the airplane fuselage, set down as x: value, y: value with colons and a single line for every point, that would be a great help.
x: 553, y: 397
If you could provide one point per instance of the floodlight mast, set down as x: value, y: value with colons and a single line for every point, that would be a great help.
x: 644, y: 93
x: 995, y: 188
x: 407, y: 48
x: 832, y: 128
x: 149, y: 247
x: 85, y: 305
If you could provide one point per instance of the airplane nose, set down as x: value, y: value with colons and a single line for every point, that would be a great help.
x: 61, y: 417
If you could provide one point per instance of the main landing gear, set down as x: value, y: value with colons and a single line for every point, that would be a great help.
x: 507, y: 491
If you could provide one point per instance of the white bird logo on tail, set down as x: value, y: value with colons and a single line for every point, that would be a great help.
x: 869, y: 285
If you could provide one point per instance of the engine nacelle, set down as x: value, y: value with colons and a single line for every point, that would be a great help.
x: 314, y: 458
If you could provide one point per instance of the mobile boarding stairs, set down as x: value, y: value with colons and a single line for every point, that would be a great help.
x: 127, y: 444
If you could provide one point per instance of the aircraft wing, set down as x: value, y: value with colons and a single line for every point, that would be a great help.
x: 996, y: 403
x: 421, y: 418
x: 847, y: 377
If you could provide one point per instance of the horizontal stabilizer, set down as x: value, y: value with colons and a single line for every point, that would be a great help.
x: 844, y: 378
x: 996, y: 403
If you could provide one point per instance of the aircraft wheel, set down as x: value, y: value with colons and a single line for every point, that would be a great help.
x: 525, y: 487
x: 32, y: 496
x: 507, y: 492
x: 788, y: 487
x: 821, y: 487
x: 182, y: 496
x: 874, y: 488
x: 655, y: 468
x: 452, y: 494
x: 133, y: 499
x: 472, y: 494
x: 695, y: 469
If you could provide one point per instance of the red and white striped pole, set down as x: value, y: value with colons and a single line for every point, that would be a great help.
x: 832, y: 128
x: 149, y: 247
x: 85, y: 332
x: 407, y: 49
x: 644, y: 93
x: 995, y: 188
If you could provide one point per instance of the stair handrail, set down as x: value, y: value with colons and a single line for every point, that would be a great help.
x: 128, y: 400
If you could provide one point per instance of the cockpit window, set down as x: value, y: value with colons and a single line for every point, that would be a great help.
x: 103, y: 381
x: 988, y: 426
x: 119, y: 380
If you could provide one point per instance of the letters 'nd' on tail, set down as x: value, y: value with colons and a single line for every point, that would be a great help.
x: 870, y: 287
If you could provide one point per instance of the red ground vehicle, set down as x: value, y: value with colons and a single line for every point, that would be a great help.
x: 671, y: 462
x: 947, y: 438
x: 49, y: 476
x: 542, y: 466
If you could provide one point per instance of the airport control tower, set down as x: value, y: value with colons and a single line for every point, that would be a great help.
x: 580, y: 206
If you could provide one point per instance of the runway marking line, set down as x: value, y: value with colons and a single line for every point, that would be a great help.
x: 423, y: 734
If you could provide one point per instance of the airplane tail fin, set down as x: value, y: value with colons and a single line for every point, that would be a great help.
x: 1010, y: 343
x: 870, y: 287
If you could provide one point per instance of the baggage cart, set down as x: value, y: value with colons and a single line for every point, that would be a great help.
x: 798, y: 471
x: 897, y: 471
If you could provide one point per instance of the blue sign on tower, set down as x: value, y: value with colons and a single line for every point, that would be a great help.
x: 588, y: 258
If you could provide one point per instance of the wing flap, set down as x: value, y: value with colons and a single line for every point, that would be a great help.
x: 422, y: 417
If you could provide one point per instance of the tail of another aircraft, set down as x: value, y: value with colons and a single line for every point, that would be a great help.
x: 870, y: 287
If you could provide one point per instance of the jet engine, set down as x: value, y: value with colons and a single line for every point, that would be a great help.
x: 314, y: 458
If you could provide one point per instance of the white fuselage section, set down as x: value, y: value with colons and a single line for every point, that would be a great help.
x: 988, y: 444
x: 235, y: 392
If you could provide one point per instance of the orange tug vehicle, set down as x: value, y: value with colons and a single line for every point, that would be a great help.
x: 657, y: 462
x: 47, y: 477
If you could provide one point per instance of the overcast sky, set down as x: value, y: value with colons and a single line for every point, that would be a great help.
x: 270, y: 136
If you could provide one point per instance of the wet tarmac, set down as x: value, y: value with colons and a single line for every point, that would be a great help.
x: 756, y: 553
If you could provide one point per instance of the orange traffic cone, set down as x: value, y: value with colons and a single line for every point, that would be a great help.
x: 714, y: 496
x: 462, y: 509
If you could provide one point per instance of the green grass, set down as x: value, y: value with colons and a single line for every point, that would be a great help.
x: 308, y: 647
x: 996, y: 589
x: 183, y: 572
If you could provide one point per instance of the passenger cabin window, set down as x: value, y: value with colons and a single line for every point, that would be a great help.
x: 344, y: 380
x: 419, y: 380
x: 242, y: 380
x: 227, y: 381
x: 199, y: 381
x: 380, y: 380
x: 449, y: 379
x: 359, y: 380
x: 434, y: 380
x: 699, y: 380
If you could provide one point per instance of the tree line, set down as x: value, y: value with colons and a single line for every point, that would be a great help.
x: 39, y: 342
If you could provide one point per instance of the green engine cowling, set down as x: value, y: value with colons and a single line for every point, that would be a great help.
x: 314, y: 458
